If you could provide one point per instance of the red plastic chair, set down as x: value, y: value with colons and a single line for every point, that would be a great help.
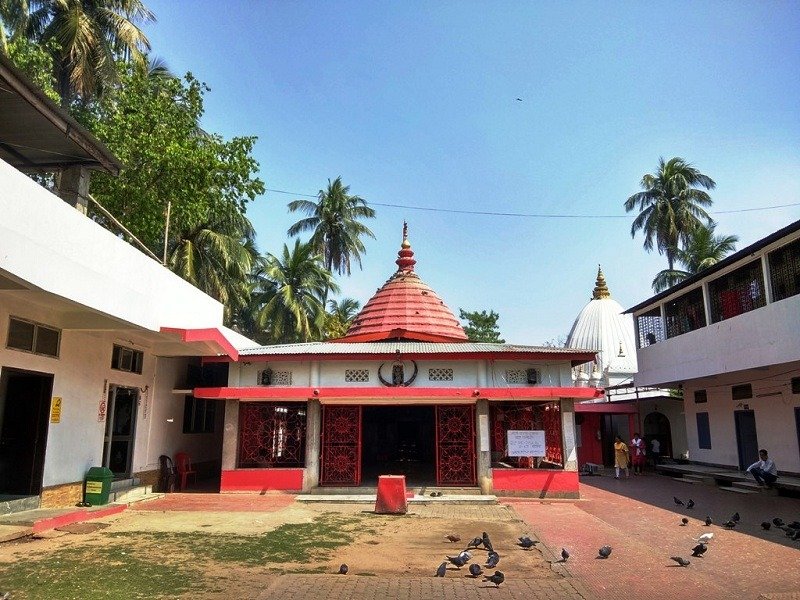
x: 183, y: 464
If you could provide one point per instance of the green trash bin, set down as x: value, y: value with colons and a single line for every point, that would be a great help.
x: 98, y: 485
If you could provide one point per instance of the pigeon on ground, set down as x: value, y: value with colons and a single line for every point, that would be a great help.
x: 527, y: 542
x: 681, y: 561
x: 777, y: 521
x: 475, y: 543
x: 453, y: 538
x: 795, y: 524
x: 459, y: 561
x: 564, y: 555
x: 796, y: 535
x: 766, y: 525
x: 690, y: 503
x: 496, y: 579
x: 708, y: 521
x: 475, y: 570
x: 441, y: 570
x: 492, y: 560
x: 684, y: 521
x: 790, y: 532
x: 343, y: 569
x: 699, y: 550
x: 487, y: 543
x: 735, y: 517
x: 604, y: 552
x: 678, y: 501
x: 729, y: 524
x: 705, y: 538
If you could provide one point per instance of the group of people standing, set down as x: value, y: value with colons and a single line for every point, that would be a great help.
x: 633, y: 454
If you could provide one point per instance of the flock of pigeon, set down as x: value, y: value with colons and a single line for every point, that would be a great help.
x: 461, y: 559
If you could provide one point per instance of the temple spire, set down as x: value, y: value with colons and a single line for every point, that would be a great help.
x: 600, y: 287
x: 405, y: 257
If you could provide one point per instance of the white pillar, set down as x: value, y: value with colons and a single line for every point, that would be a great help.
x: 313, y: 430
x: 484, y: 454
x: 230, y: 435
x: 568, y: 434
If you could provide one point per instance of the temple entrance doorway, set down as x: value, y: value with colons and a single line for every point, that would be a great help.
x: 399, y: 440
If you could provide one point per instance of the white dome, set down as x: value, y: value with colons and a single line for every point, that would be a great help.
x: 601, y: 326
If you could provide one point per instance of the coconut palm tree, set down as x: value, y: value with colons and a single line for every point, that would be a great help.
x: 13, y: 15
x: 702, y: 250
x: 340, y: 316
x: 87, y: 38
x: 296, y: 282
x: 670, y: 206
x: 217, y: 256
x: 335, y: 221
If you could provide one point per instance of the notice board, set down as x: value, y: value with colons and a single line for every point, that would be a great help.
x: 526, y: 442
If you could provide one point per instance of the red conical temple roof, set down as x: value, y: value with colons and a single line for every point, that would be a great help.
x: 405, y: 308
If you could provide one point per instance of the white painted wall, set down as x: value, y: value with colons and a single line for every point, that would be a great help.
x: 673, y: 410
x: 84, y: 364
x: 465, y: 373
x: 53, y: 247
x: 774, y: 414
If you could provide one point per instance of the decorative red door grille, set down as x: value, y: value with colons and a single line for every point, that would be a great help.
x: 455, y: 445
x: 526, y: 416
x: 272, y: 435
x: 341, y: 445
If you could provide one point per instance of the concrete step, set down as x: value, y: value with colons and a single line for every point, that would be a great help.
x: 122, y: 484
x: 753, y: 486
x: 698, y: 478
x: 684, y: 480
x: 132, y: 495
x: 416, y: 499
x: 15, y: 504
x: 736, y: 490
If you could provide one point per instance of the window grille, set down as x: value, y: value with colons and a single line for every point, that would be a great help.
x: 357, y: 375
x: 281, y: 378
x: 700, y: 396
x: 440, y: 374
x: 742, y: 392
x: 685, y: 313
x: 33, y: 337
x: 271, y: 435
x: 516, y: 376
x: 784, y: 271
x: 651, y: 327
x: 738, y: 292
x: 199, y: 415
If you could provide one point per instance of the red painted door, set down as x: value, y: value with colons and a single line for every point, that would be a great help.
x: 591, y: 449
x: 455, y: 445
x: 341, y: 446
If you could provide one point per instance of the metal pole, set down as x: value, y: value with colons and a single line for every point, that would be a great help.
x: 108, y: 215
x: 166, y: 231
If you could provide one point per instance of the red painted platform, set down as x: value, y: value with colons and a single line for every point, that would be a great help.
x: 260, y: 480
x: 73, y: 516
x: 541, y: 483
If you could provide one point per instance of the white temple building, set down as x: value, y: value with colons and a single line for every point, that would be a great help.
x: 626, y: 409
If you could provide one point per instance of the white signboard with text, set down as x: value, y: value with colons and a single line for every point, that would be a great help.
x: 526, y: 443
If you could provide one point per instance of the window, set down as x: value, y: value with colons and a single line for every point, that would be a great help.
x: 796, y: 385
x: 541, y: 416
x: 270, y: 377
x: 516, y: 376
x: 742, y: 392
x: 199, y: 415
x: 272, y: 435
x: 440, y: 374
x: 685, y: 313
x: 703, y: 431
x: 33, y: 337
x: 784, y: 271
x: 738, y: 292
x: 700, y: 396
x: 650, y: 327
x: 356, y: 375
x: 127, y: 359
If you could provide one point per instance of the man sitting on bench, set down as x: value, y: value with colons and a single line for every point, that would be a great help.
x: 764, y: 470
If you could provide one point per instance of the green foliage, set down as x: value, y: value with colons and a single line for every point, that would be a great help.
x: 702, y: 250
x: 340, y: 316
x: 481, y: 326
x: 36, y: 62
x: 151, y: 124
x: 293, y: 290
x: 335, y: 222
x: 671, y: 206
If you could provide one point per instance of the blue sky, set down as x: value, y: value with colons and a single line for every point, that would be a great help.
x: 414, y: 103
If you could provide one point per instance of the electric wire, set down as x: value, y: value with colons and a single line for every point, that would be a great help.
x: 531, y: 215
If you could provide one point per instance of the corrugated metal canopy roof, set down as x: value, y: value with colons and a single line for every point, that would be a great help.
x: 37, y: 135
